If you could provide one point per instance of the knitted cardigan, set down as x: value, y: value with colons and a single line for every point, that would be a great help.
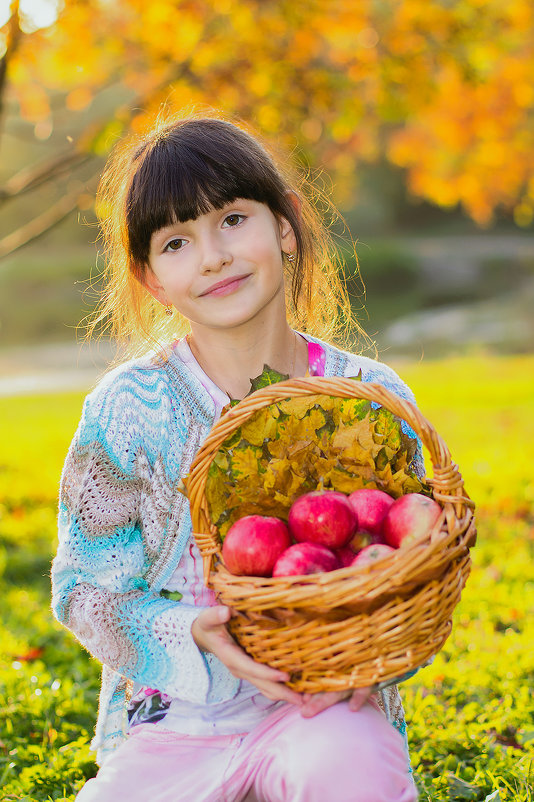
x: 123, y: 527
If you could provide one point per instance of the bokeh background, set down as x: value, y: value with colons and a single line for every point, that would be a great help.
x: 415, y: 116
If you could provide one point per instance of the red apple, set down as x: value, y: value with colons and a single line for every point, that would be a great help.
x: 371, y: 506
x: 409, y: 518
x: 305, y: 558
x: 324, y: 517
x: 345, y: 556
x: 253, y: 544
x: 372, y: 554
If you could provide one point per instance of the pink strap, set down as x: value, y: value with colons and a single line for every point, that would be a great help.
x: 316, y: 359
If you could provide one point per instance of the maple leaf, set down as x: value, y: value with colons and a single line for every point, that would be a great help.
x: 354, y: 408
x: 259, y: 427
x: 322, y: 466
x: 245, y: 461
x: 382, y: 459
x: 218, y: 485
x: 301, y: 430
x: 301, y: 407
x: 221, y: 462
x: 387, y: 427
x: 275, y: 472
x: 338, y: 478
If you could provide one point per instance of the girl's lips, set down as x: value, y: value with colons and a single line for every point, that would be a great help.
x: 225, y: 287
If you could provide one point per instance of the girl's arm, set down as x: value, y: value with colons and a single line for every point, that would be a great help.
x: 107, y: 510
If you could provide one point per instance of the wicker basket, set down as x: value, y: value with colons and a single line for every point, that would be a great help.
x: 351, y: 627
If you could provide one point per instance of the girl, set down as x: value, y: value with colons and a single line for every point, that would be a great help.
x: 202, y: 225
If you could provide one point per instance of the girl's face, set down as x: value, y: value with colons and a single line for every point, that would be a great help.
x: 224, y: 268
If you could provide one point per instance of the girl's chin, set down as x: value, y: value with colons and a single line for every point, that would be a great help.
x: 237, y: 313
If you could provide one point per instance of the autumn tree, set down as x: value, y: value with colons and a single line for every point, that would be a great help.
x: 441, y: 89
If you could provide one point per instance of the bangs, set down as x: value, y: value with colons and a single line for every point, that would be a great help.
x: 190, y: 170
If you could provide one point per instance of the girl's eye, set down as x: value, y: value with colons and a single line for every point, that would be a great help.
x: 233, y: 220
x: 174, y: 245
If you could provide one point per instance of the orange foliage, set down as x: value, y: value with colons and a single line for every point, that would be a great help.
x: 443, y: 90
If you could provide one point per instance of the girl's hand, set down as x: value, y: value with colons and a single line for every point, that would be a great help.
x: 210, y: 634
x: 313, y: 703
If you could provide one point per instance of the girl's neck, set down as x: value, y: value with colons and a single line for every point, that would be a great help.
x: 232, y: 358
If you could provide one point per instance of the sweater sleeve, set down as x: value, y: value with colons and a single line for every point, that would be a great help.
x: 98, y: 586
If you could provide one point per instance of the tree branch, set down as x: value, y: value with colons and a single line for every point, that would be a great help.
x: 32, y: 177
x: 45, y: 221
x: 12, y: 41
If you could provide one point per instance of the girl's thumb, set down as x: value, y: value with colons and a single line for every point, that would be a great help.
x: 223, y: 614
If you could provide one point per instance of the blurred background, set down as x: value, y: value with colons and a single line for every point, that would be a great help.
x: 415, y: 116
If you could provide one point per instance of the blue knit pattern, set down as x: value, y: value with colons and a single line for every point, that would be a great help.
x: 123, y: 527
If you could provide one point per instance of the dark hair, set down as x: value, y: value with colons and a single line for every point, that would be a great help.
x: 189, y: 168
x: 181, y: 170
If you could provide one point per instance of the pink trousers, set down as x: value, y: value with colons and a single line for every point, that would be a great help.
x: 336, y: 756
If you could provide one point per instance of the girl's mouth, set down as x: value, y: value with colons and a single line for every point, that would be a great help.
x: 225, y: 287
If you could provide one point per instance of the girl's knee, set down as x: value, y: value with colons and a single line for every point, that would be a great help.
x: 346, y: 757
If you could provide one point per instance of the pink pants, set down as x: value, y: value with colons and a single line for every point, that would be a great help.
x: 336, y: 756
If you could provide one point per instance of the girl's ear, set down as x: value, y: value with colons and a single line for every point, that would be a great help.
x: 287, y: 235
x: 150, y: 282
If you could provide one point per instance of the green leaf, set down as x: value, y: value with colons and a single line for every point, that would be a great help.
x: 174, y: 595
x: 268, y: 377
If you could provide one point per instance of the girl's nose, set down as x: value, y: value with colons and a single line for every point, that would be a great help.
x: 214, y: 254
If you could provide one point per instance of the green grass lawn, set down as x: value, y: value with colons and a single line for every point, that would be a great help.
x: 470, y: 714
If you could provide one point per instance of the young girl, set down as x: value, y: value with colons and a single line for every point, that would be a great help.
x: 202, y: 228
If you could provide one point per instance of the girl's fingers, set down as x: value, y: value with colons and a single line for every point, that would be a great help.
x: 213, y: 617
x: 208, y: 626
x: 359, y: 698
x: 210, y: 633
x: 315, y: 703
x: 238, y: 661
x: 268, y: 680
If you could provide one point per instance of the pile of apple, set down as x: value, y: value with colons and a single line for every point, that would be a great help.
x: 327, y: 530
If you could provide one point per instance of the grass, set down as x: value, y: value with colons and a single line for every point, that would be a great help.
x: 470, y: 714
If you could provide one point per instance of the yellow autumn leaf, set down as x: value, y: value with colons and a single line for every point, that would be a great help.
x: 245, y: 461
x: 356, y: 454
x: 275, y: 473
x: 345, y: 481
x: 259, y: 427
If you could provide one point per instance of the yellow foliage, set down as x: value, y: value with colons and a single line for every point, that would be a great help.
x: 297, y: 445
x: 444, y: 90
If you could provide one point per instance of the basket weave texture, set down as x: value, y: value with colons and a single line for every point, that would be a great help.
x: 351, y: 627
